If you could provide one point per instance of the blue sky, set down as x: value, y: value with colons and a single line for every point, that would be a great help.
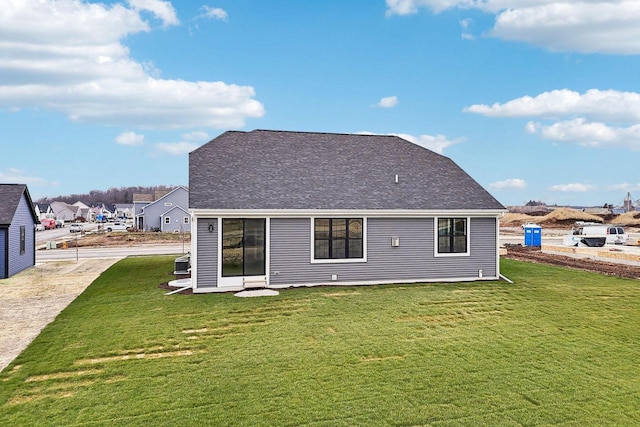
x: 536, y: 99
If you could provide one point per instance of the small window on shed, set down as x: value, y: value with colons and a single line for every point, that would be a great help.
x: 168, y: 204
x: 167, y: 220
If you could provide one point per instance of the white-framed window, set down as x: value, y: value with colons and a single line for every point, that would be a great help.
x: 452, y: 236
x: 168, y: 204
x: 167, y: 220
x: 335, y: 240
x: 185, y: 220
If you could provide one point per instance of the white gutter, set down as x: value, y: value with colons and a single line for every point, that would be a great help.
x: 371, y: 213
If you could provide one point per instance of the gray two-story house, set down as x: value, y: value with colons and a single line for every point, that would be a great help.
x: 281, y: 209
x: 17, y: 230
x: 168, y: 213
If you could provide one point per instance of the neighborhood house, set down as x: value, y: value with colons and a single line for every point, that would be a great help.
x: 280, y: 209
x: 17, y: 230
x: 166, y: 211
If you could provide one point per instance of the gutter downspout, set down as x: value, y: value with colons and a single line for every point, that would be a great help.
x: 506, y: 279
x: 179, y: 290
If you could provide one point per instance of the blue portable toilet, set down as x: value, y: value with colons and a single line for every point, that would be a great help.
x: 532, y: 235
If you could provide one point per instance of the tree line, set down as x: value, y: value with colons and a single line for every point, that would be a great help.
x: 109, y: 197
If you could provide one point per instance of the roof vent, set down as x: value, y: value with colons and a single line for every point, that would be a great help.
x: 397, y: 180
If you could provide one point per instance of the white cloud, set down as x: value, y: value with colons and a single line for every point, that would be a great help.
x: 401, y: 7
x: 129, y: 138
x: 18, y: 176
x: 594, y: 103
x: 624, y: 187
x: 198, y: 136
x: 214, y: 13
x: 464, y: 24
x: 176, y: 148
x: 593, y: 117
x: 67, y: 56
x: 592, y: 134
x: 509, y: 184
x: 572, y: 188
x: 163, y: 10
x: 434, y: 143
x: 602, y: 26
x: 388, y: 102
x: 589, y: 27
x: 189, y: 142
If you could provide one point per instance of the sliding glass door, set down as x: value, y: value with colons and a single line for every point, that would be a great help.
x: 243, y: 247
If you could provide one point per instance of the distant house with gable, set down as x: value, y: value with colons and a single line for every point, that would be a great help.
x: 123, y: 210
x: 83, y: 211
x: 17, y: 230
x: 64, y: 211
x: 166, y: 211
x: 169, y: 213
x: 43, y: 210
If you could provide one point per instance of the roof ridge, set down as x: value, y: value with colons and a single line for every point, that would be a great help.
x: 322, y: 133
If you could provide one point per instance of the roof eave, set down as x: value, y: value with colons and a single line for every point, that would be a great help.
x: 380, y: 213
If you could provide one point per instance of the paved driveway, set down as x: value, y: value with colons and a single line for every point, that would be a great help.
x: 33, y: 298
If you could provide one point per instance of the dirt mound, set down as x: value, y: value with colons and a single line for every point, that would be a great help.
x: 629, y: 218
x: 512, y: 219
x: 567, y: 214
x: 565, y: 217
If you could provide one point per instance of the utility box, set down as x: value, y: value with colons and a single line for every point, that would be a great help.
x: 182, y: 265
x: 532, y: 235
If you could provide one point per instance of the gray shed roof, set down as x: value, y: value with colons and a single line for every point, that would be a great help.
x: 10, y: 195
x: 300, y: 170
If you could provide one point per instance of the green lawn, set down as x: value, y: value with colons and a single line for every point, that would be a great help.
x: 556, y: 347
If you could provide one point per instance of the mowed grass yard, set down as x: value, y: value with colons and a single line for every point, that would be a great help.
x: 557, y: 347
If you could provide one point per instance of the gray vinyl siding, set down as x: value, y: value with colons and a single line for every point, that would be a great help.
x: 3, y: 253
x: 137, y: 207
x: 22, y: 217
x: 413, y: 260
x: 207, y: 253
x: 176, y: 221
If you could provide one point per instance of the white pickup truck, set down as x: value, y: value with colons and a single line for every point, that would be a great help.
x: 117, y: 226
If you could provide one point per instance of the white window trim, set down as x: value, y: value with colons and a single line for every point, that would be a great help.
x: 341, y: 260
x: 185, y: 220
x: 435, y: 238
x: 167, y: 220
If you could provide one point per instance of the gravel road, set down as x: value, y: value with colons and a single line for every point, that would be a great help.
x: 30, y: 300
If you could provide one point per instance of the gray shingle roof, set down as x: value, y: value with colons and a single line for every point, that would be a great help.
x: 10, y: 195
x: 300, y: 170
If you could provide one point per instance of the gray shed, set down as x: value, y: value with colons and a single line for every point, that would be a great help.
x: 17, y: 230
